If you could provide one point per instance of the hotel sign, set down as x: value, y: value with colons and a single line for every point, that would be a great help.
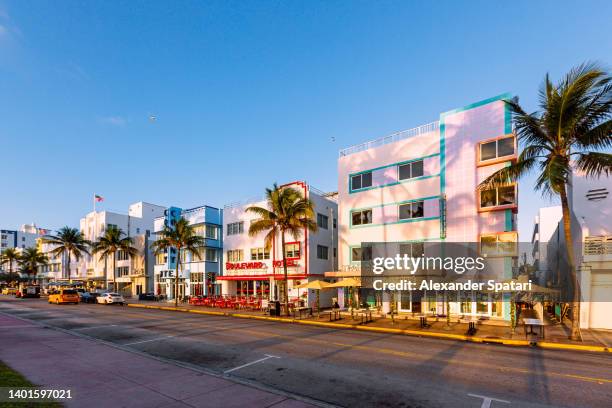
x: 245, y: 265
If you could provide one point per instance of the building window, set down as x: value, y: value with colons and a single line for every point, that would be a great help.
x: 122, y: 256
x: 161, y: 259
x: 362, y: 180
x: 335, y: 223
x: 496, y: 149
x: 123, y: 271
x: 411, y: 170
x: 322, y: 252
x: 412, y: 249
x: 235, y: 228
x: 109, y: 226
x: 137, y: 230
x: 499, y: 244
x: 411, y: 210
x: 292, y: 250
x: 235, y: 255
x: 500, y: 196
x: 211, y: 255
x: 211, y: 232
x: 322, y: 221
x: 359, y: 254
x: 361, y: 217
x: 258, y: 254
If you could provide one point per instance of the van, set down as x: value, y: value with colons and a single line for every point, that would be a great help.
x: 64, y: 296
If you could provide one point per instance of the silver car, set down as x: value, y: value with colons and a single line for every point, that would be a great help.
x: 110, y: 298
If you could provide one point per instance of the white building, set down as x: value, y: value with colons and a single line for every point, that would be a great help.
x: 134, y: 276
x: 545, y: 225
x: 24, y: 237
x: 198, y: 274
x: 250, y: 268
x: 591, y: 224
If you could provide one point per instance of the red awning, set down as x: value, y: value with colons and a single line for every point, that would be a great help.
x: 259, y: 277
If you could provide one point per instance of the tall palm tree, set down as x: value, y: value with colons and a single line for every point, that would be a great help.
x: 29, y: 261
x: 288, y: 212
x: 181, y: 238
x: 10, y: 256
x: 114, y: 240
x: 568, y: 133
x: 68, y: 242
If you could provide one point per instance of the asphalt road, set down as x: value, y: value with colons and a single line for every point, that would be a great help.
x: 343, y: 367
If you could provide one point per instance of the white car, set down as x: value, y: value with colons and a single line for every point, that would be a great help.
x: 110, y: 298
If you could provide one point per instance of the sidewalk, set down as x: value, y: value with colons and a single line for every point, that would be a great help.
x: 487, y: 331
x: 100, y: 375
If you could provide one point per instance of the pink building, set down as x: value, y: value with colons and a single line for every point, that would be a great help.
x: 420, y: 185
x: 249, y: 268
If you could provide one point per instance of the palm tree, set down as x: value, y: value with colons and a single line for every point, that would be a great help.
x: 181, y: 238
x: 288, y: 212
x: 568, y: 133
x: 69, y: 242
x: 109, y: 244
x: 10, y: 256
x: 30, y: 259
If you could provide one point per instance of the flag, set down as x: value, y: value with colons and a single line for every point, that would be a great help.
x: 42, y: 231
x: 98, y: 198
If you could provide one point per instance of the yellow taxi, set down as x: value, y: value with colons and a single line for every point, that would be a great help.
x: 64, y: 296
x: 9, y: 291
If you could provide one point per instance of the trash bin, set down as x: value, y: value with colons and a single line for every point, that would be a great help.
x: 275, y: 308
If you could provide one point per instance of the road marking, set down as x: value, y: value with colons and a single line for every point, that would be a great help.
x: 94, y: 327
x: 486, y: 401
x: 147, y: 341
x: 18, y: 327
x: 267, y: 357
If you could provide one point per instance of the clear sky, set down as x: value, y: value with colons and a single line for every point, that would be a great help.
x: 250, y: 92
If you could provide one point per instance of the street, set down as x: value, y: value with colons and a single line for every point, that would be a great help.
x: 342, y: 367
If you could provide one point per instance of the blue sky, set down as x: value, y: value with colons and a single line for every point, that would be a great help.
x: 248, y: 93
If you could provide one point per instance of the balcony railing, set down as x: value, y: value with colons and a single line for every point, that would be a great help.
x: 394, y: 137
x: 598, y: 245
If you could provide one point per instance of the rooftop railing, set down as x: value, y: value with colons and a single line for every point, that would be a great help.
x: 394, y: 137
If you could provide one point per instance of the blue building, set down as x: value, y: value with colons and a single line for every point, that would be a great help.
x: 197, y: 274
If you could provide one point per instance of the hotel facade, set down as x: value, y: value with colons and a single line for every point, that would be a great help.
x: 198, y: 275
x: 419, y: 186
x: 250, y: 268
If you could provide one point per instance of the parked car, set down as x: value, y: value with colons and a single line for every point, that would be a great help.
x: 110, y: 298
x: 9, y: 291
x: 147, y: 296
x: 64, y: 296
x: 31, y: 291
x: 88, y: 297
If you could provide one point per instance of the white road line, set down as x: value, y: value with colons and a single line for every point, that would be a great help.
x: 268, y: 356
x: 94, y: 327
x: 486, y: 401
x: 147, y: 341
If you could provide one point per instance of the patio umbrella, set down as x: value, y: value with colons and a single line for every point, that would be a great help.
x: 346, y: 283
x: 316, y: 285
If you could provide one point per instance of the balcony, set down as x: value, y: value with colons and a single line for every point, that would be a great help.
x: 598, y: 248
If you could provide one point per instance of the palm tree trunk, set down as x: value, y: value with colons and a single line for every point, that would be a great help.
x: 575, y: 334
x: 176, y: 278
x: 114, y: 273
x: 69, y: 277
x: 286, y: 283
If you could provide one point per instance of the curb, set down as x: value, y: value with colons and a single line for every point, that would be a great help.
x: 438, y: 335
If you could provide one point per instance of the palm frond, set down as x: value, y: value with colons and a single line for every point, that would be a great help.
x: 595, y: 164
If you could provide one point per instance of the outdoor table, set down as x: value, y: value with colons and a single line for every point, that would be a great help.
x: 365, y: 315
x: 299, y: 310
x: 529, y: 325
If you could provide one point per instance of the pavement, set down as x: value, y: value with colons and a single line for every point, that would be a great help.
x: 313, y: 364
x: 100, y: 375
